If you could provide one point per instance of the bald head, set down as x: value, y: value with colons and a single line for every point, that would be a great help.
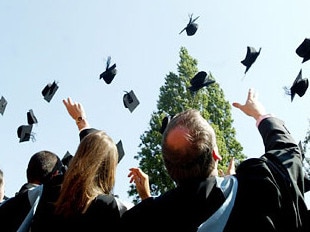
x: 187, y: 146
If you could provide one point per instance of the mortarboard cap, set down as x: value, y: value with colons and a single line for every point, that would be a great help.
x: 130, y: 101
x: 31, y: 118
x: 66, y: 159
x: 200, y: 80
x: 165, y: 122
x: 250, y: 57
x: 120, y: 150
x: 24, y: 133
x: 299, y: 86
x: 303, y: 50
x: 49, y: 91
x: 3, y: 103
x: 110, y: 72
x: 191, y: 27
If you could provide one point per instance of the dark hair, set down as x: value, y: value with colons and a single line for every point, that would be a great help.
x: 42, y: 166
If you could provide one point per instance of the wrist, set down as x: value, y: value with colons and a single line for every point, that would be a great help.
x: 80, y: 119
x: 81, y: 122
x: 261, y: 118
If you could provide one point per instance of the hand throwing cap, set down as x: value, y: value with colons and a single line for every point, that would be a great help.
x: 299, y: 86
x: 304, y: 50
x: 3, y: 103
x: 110, y: 72
x: 199, y: 81
x: 31, y: 118
x: 49, y: 91
x: 120, y: 150
x: 130, y: 101
x: 191, y: 27
x: 24, y: 133
x: 250, y: 57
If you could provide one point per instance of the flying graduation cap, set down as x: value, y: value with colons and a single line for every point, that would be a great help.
x: 49, y: 91
x: 109, y: 73
x: 191, y: 27
x: 31, y: 118
x: 200, y: 80
x: 24, y: 133
x: 303, y: 50
x: 250, y: 57
x: 66, y: 159
x: 299, y: 86
x: 120, y: 150
x: 130, y: 101
x: 3, y: 104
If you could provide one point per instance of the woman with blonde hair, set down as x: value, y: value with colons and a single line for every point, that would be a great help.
x: 86, y: 198
x: 85, y: 201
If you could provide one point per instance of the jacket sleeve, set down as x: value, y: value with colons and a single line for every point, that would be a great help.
x: 85, y: 132
x: 281, y: 149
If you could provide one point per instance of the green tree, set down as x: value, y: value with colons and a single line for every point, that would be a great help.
x: 175, y: 97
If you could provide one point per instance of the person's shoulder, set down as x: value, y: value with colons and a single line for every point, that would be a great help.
x: 255, y: 166
x: 105, y: 199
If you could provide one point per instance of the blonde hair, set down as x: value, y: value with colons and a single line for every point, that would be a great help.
x: 91, y: 172
x: 192, y: 159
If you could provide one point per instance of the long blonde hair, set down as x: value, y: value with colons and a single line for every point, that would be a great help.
x: 91, y: 172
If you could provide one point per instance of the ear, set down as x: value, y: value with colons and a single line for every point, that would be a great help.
x: 216, y: 155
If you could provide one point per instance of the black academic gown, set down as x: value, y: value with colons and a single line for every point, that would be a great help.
x: 269, y: 196
x: 14, y: 210
x: 102, y: 213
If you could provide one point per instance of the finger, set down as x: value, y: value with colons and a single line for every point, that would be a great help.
x: 251, y: 94
x: 237, y: 105
x: 65, y: 102
x: 231, y: 163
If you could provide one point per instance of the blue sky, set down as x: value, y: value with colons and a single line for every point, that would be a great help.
x: 69, y: 42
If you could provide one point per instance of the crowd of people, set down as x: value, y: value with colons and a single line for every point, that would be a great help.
x: 261, y: 194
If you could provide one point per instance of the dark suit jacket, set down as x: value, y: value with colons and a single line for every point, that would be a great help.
x: 269, y: 197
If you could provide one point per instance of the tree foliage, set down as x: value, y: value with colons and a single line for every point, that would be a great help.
x: 175, y: 97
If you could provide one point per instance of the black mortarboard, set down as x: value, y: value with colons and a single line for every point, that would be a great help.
x: 250, y: 57
x: 191, y: 27
x: 130, y: 101
x: 120, y: 150
x: 110, y: 72
x: 299, y: 86
x: 31, y: 118
x: 24, y: 133
x: 3, y: 103
x: 165, y: 122
x: 66, y: 159
x: 199, y: 81
x: 304, y: 50
x: 49, y: 91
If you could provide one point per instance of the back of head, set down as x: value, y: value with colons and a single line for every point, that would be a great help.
x: 91, y: 172
x: 42, y: 166
x: 187, y: 146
